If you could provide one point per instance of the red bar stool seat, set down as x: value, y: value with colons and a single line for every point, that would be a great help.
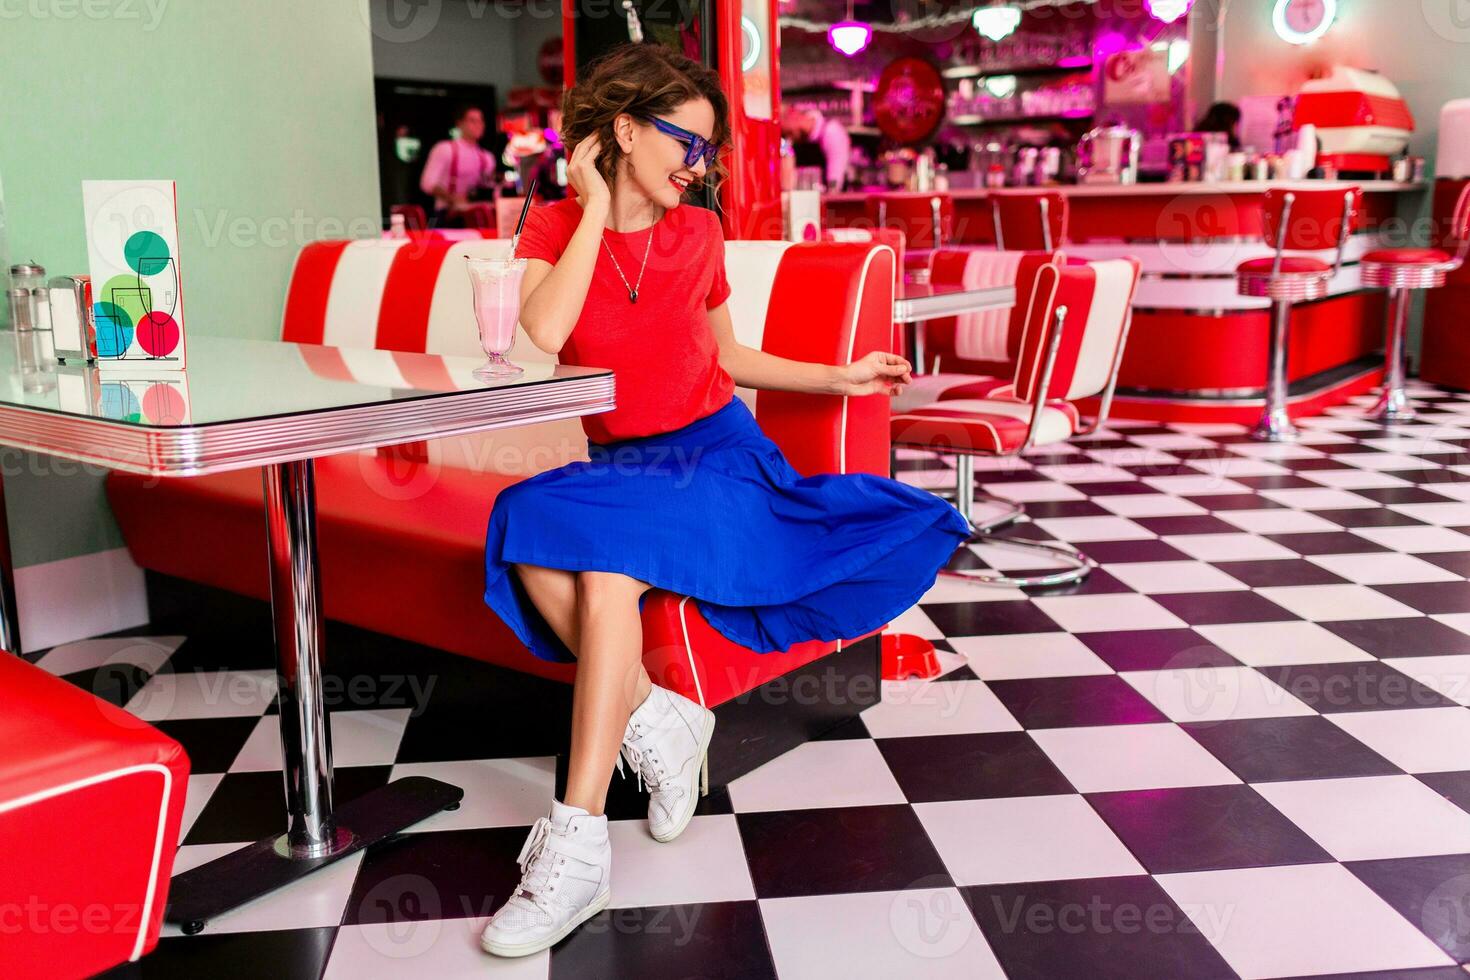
x: 1296, y: 220
x: 1401, y: 271
x: 1070, y: 348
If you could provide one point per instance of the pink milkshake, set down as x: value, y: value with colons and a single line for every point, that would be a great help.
x: 497, y: 297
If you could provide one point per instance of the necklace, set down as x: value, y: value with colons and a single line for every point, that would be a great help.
x: 633, y: 289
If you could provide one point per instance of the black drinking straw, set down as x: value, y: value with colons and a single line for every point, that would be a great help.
x: 521, y: 222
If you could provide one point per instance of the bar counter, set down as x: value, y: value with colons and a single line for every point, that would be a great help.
x: 1198, y: 350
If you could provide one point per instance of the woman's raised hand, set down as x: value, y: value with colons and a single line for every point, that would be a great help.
x: 582, y: 171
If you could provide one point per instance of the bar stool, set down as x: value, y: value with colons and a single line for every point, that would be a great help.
x: 1401, y: 271
x: 1029, y: 221
x: 1296, y: 220
x: 926, y: 218
x: 1075, y: 329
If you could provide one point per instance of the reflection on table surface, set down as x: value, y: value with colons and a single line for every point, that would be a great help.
x: 233, y: 380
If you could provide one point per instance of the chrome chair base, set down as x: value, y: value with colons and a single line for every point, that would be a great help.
x: 1077, y: 565
x: 1393, y: 405
x: 1275, y: 426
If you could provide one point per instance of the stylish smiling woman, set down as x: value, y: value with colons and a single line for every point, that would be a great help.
x: 681, y: 490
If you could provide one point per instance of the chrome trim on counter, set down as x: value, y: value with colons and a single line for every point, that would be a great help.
x: 193, y: 450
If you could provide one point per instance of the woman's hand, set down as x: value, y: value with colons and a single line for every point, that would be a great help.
x: 879, y: 373
x: 582, y: 171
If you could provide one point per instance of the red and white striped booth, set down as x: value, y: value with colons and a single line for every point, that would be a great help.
x: 415, y: 517
x: 91, y: 800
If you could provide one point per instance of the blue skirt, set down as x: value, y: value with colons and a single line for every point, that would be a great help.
x: 714, y: 511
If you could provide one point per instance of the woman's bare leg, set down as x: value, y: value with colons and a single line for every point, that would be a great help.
x: 553, y: 591
x: 611, y: 682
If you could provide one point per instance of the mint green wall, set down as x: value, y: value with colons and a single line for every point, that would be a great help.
x: 261, y: 110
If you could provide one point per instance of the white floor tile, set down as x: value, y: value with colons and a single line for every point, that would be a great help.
x: 1299, y: 920
x: 1196, y: 486
x: 1414, y: 445
x: 1416, y: 739
x: 1081, y: 529
x: 1416, y: 540
x: 1098, y: 613
x: 1234, y: 467
x: 359, y: 738
x: 1449, y: 675
x: 937, y: 708
x: 1118, y: 757
x: 1365, y: 818
x: 921, y: 932
x: 1072, y: 473
x: 842, y: 772
x: 201, y: 788
x: 1445, y: 515
x: 1329, y: 603
x: 946, y: 589
x: 204, y: 694
x: 445, y: 949
x: 1228, y: 547
x: 1381, y: 568
x: 1353, y: 479
x: 1035, y: 492
x: 1214, y: 694
x: 148, y: 652
x: 915, y: 621
x: 1130, y: 456
x: 1390, y: 462
x: 1148, y: 505
x: 1318, y: 498
x: 1274, y: 450
x: 497, y: 792
x: 1455, y: 621
x: 1004, y: 559
x: 707, y: 865
x: 1277, y: 521
x: 1179, y: 440
x: 1016, y: 655
x: 1279, y: 644
x: 1164, y: 577
x: 1024, y: 838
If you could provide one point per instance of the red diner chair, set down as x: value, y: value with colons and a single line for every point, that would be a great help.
x: 1076, y: 324
x: 1029, y: 220
x: 1401, y: 271
x: 1296, y: 220
x: 926, y: 218
x: 968, y: 355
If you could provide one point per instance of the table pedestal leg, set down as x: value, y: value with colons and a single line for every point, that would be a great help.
x: 9, y: 616
x: 317, y: 833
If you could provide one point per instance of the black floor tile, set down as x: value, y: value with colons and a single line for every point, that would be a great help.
x: 1204, y: 828
x: 718, y: 941
x: 831, y: 850
x: 211, y: 743
x: 1423, y: 637
x: 1037, y: 933
x: 971, y: 767
x: 1432, y: 598
x: 248, y: 806
x: 1431, y: 892
x: 1279, y: 572
x: 1156, y: 649
x: 1367, y: 685
x: 1186, y: 524
x: 1264, y: 750
x: 989, y: 618
x: 1210, y: 608
x: 283, y: 953
x: 1143, y: 549
x: 1326, y: 543
x: 442, y: 874
x: 1065, y: 702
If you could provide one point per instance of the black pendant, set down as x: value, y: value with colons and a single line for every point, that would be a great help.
x: 632, y: 296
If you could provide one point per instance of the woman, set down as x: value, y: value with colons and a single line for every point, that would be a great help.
x: 1222, y: 117
x: 681, y: 490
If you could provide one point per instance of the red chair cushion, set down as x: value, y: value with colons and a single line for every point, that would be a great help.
x: 91, y: 800
x: 979, y: 388
x: 1409, y: 256
x: 1290, y: 265
x: 995, y: 426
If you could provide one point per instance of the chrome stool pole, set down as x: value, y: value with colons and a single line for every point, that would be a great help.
x: 1393, y: 403
x: 1275, y: 424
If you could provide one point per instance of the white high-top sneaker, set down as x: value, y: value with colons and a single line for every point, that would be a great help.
x: 566, y: 865
x: 667, y: 745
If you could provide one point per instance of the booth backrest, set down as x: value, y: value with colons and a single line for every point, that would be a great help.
x: 816, y: 301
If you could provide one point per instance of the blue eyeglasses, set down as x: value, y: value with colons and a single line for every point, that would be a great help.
x: 697, y: 145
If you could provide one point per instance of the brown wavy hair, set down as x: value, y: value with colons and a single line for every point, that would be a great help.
x: 642, y: 80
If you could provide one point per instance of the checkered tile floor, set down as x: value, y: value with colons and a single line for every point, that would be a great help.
x: 1241, y: 748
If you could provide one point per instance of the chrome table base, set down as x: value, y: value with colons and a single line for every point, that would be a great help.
x: 316, y: 833
x: 9, y: 612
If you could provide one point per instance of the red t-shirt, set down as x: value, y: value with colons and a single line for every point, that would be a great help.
x: 661, y: 348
